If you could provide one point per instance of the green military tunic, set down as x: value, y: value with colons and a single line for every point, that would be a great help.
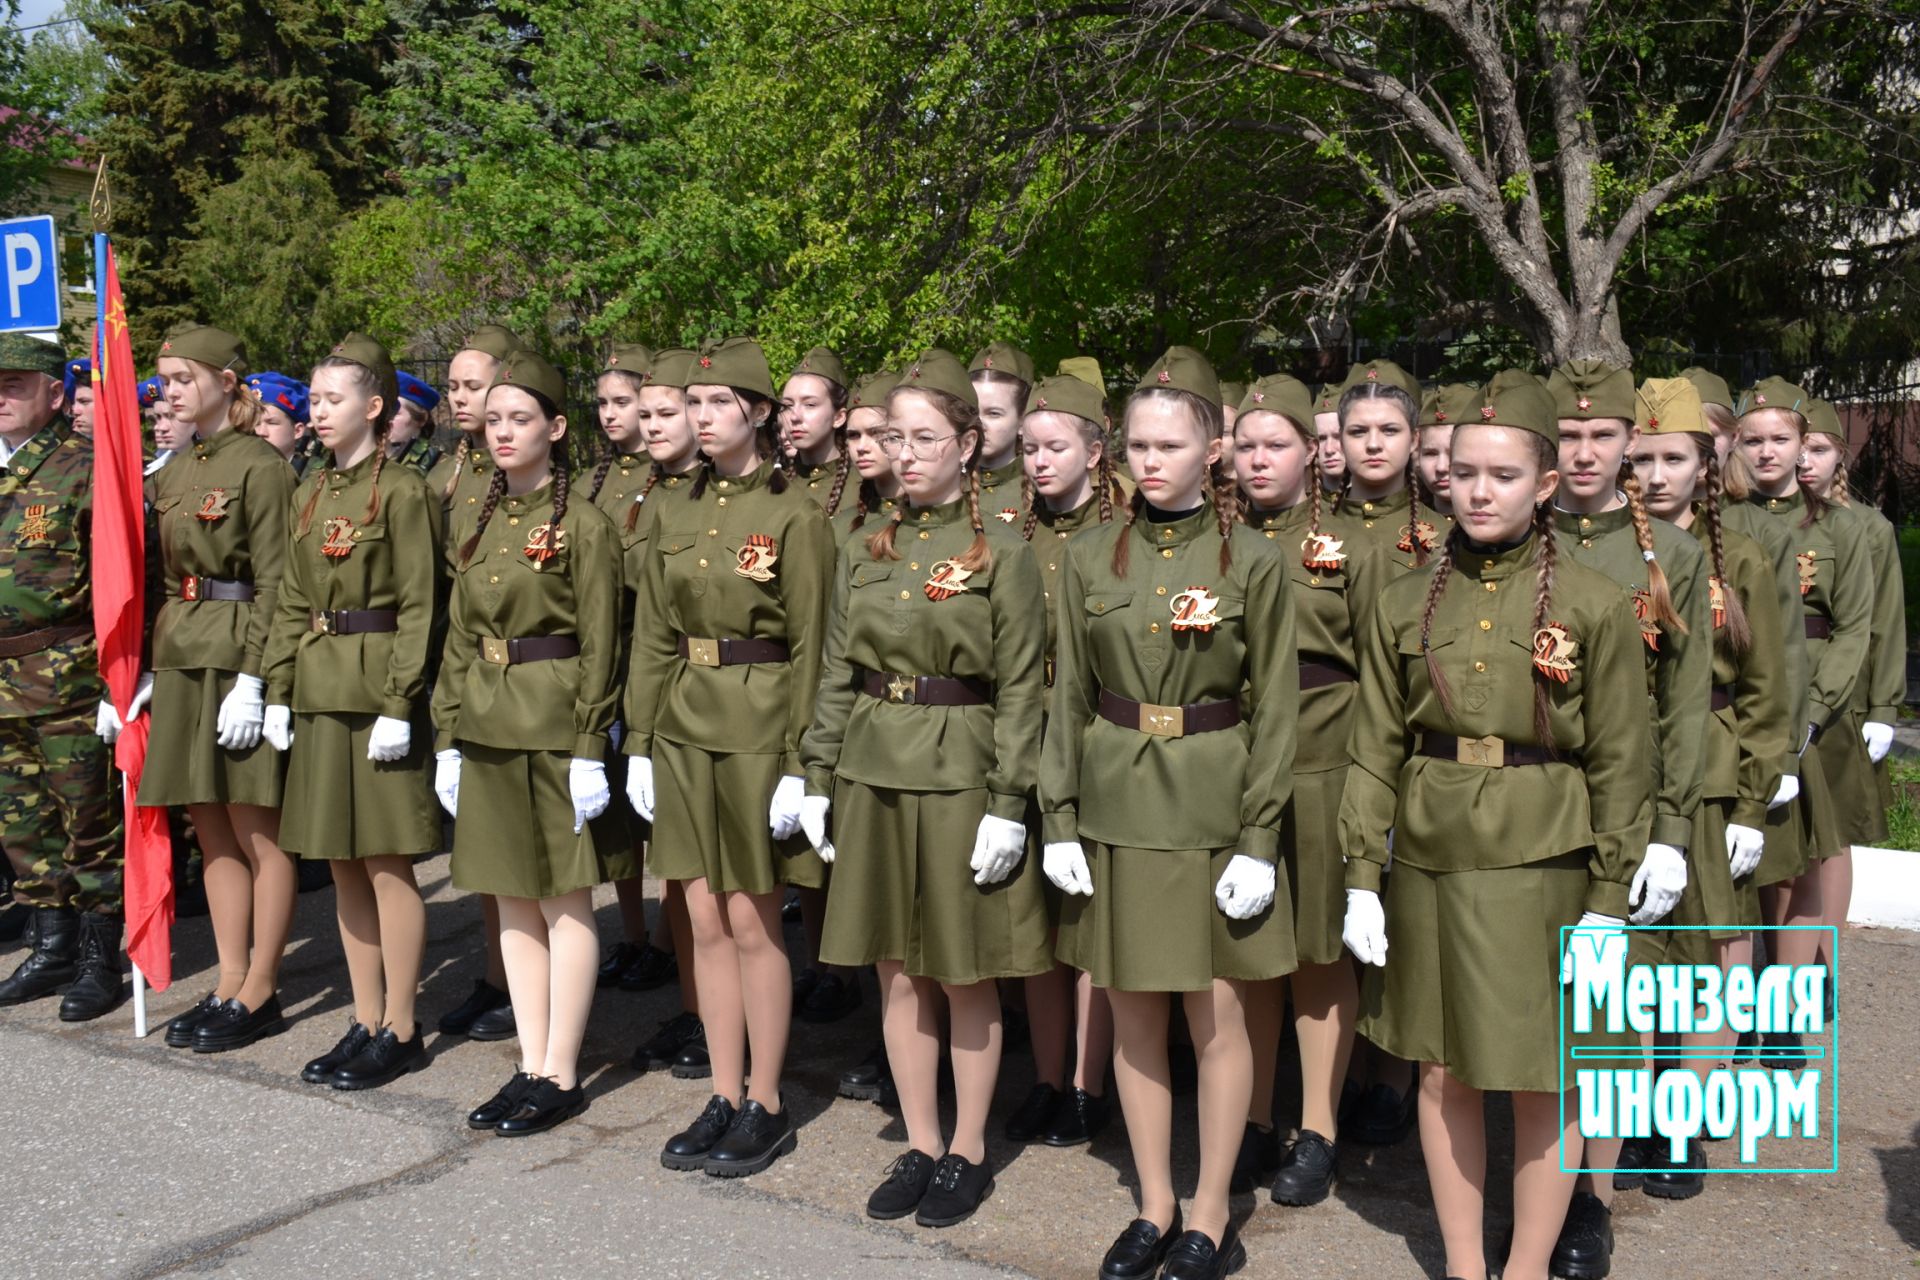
x: 461, y: 485
x: 58, y: 818
x: 1003, y: 494
x: 910, y: 783
x: 736, y: 562
x: 1384, y: 527
x: 816, y: 480
x: 841, y: 521
x: 1162, y: 816
x: 1050, y: 533
x: 1883, y: 683
x: 220, y: 511
x: 519, y: 726
x: 339, y: 804
x: 1491, y: 862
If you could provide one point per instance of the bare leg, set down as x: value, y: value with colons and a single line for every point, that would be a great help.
x: 1266, y: 1001
x: 573, y: 951
x: 523, y: 943
x: 1836, y: 894
x: 276, y: 885
x: 1146, y: 1096
x: 358, y: 913
x: 1453, y: 1138
x: 228, y: 879
x: 1049, y: 1010
x: 766, y: 989
x: 496, y: 957
x: 1326, y: 1008
x: 974, y: 1011
x: 1798, y: 902
x: 403, y: 938
x: 1093, y: 1039
x: 631, y: 893
x: 910, y: 1023
x: 1217, y: 1019
x: 722, y: 1010
x: 1541, y: 1191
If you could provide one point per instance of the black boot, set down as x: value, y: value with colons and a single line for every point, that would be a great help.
x: 52, y: 962
x: 99, y: 988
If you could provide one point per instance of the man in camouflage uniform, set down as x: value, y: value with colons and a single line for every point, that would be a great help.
x: 58, y: 820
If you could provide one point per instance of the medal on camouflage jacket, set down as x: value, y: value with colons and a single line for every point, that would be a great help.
x: 948, y: 580
x: 1426, y: 533
x: 213, y: 506
x: 1553, y: 651
x: 34, y: 526
x: 1643, y: 611
x: 1717, y: 600
x: 1322, y: 551
x: 756, y: 558
x: 1194, y: 610
x: 543, y: 542
x: 1805, y: 560
x: 339, y: 538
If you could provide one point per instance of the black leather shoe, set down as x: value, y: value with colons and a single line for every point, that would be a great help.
x: 1136, y: 1254
x: 485, y: 998
x: 54, y: 960
x: 234, y: 1026
x: 1306, y: 1174
x: 383, y: 1060
x: 1743, y: 1048
x: 687, y: 1150
x: 754, y: 1140
x: 650, y: 968
x: 180, y: 1029
x: 1029, y: 1119
x: 494, y: 1024
x: 660, y: 1049
x: 863, y: 1080
x: 614, y: 962
x: 1779, y: 1051
x: 502, y: 1104
x: 832, y: 998
x: 97, y: 988
x: 1194, y: 1256
x: 904, y: 1189
x: 693, y: 1062
x: 958, y: 1187
x: 1351, y: 1095
x: 321, y: 1069
x: 545, y: 1106
x: 790, y: 909
x: 803, y: 984
x: 1078, y: 1120
x: 1258, y: 1160
x: 1686, y: 1181
x: 1635, y: 1155
x: 1384, y: 1117
x: 1584, y: 1250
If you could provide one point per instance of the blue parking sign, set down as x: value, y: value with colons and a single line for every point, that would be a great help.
x: 30, y: 257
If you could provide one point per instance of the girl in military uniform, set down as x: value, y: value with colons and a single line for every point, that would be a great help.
x: 1071, y: 486
x: 346, y: 699
x: 1002, y: 377
x: 924, y: 747
x: 1500, y: 737
x: 877, y: 488
x: 523, y: 709
x: 1162, y: 802
x: 221, y: 516
x: 283, y: 412
x: 726, y: 662
x: 1679, y: 474
x: 410, y: 438
x: 1835, y: 566
x: 1441, y: 410
x: 1326, y: 436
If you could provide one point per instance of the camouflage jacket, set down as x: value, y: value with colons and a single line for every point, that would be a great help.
x: 46, y: 551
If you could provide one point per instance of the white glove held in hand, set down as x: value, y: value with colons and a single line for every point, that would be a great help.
x: 813, y: 821
x: 640, y: 786
x: 1365, y: 928
x: 1743, y: 849
x: 1787, y: 793
x: 241, y: 713
x: 998, y: 846
x: 389, y: 740
x: 1245, y: 888
x: 1065, y: 863
x: 277, y: 728
x: 587, y: 781
x: 1879, y: 740
x: 783, y: 814
x: 446, y: 780
x: 1658, y: 884
x: 1589, y: 944
x: 107, y: 723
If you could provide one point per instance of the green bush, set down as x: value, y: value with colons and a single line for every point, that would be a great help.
x: 1903, y: 819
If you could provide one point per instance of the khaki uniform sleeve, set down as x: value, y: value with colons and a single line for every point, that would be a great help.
x: 1380, y: 747
x: 266, y: 512
x: 1615, y: 757
x: 1887, y: 658
x: 806, y: 593
x: 1019, y: 679
x: 653, y: 651
x: 596, y: 596
x: 1073, y: 701
x: 458, y: 652
x: 1682, y: 684
x: 1850, y: 596
x: 820, y: 748
x: 412, y: 533
x: 290, y: 619
x: 1273, y: 677
x: 1762, y: 707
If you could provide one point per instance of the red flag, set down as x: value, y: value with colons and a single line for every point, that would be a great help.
x: 119, y: 615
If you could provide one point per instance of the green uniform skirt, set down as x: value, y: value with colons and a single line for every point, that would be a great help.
x: 710, y: 823
x: 1713, y: 898
x: 185, y: 765
x: 903, y: 890
x: 1472, y: 979
x: 514, y: 836
x: 340, y: 804
x: 1310, y: 835
x: 1858, y: 814
x: 1801, y: 833
x: 1152, y: 924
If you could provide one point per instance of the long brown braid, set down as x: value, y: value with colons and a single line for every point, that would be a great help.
x: 1734, y: 631
x: 1123, y: 542
x: 1031, y: 501
x: 496, y: 489
x: 1413, y: 503
x: 1839, y: 492
x: 460, y: 453
x: 600, y: 475
x: 1437, y: 587
x: 654, y: 477
x: 841, y: 467
x: 1224, y: 494
x: 1659, y: 596
x: 866, y: 501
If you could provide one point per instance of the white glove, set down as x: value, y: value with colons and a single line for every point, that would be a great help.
x: 1065, y: 863
x: 1879, y: 740
x: 277, y: 728
x: 1789, y: 791
x: 107, y: 722
x: 1658, y: 884
x: 446, y: 780
x: 783, y: 814
x: 389, y: 739
x: 1588, y: 944
x: 1743, y: 849
x: 1365, y: 928
x: 998, y: 846
x: 1245, y: 888
x: 640, y: 786
x: 241, y: 712
x: 587, y: 780
x: 813, y: 821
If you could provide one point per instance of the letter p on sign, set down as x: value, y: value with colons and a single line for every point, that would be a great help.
x: 29, y: 253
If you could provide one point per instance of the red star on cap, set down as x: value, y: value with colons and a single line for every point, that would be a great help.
x: 338, y: 347
x: 706, y: 362
x: 612, y: 361
x: 1584, y: 403
x: 987, y: 363
x: 167, y: 345
x: 1373, y: 375
x: 1759, y: 399
x: 1166, y: 376
x: 1486, y: 413
x: 1259, y: 397
x: 914, y: 373
x: 1439, y: 415
x: 1652, y: 421
x: 1041, y: 402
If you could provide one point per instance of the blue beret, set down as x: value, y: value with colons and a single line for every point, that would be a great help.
x: 78, y: 371
x: 411, y: 388
x: 282, y: 392
x: 150, y: 390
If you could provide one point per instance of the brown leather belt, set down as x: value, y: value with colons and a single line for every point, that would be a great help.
x: 1819, y: 628
x: 1489, y: 752
x: 511, y: 653
x: 39, y: 641
x: 1169, y: 722
x: 197, y: 588
x: 354, y: 622
x: 731, y: 653
x: 927, y: 691
x: 1318, y: 675
x: 1722, y: 697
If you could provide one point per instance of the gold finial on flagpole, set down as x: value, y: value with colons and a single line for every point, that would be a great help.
x: 100, y: 203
